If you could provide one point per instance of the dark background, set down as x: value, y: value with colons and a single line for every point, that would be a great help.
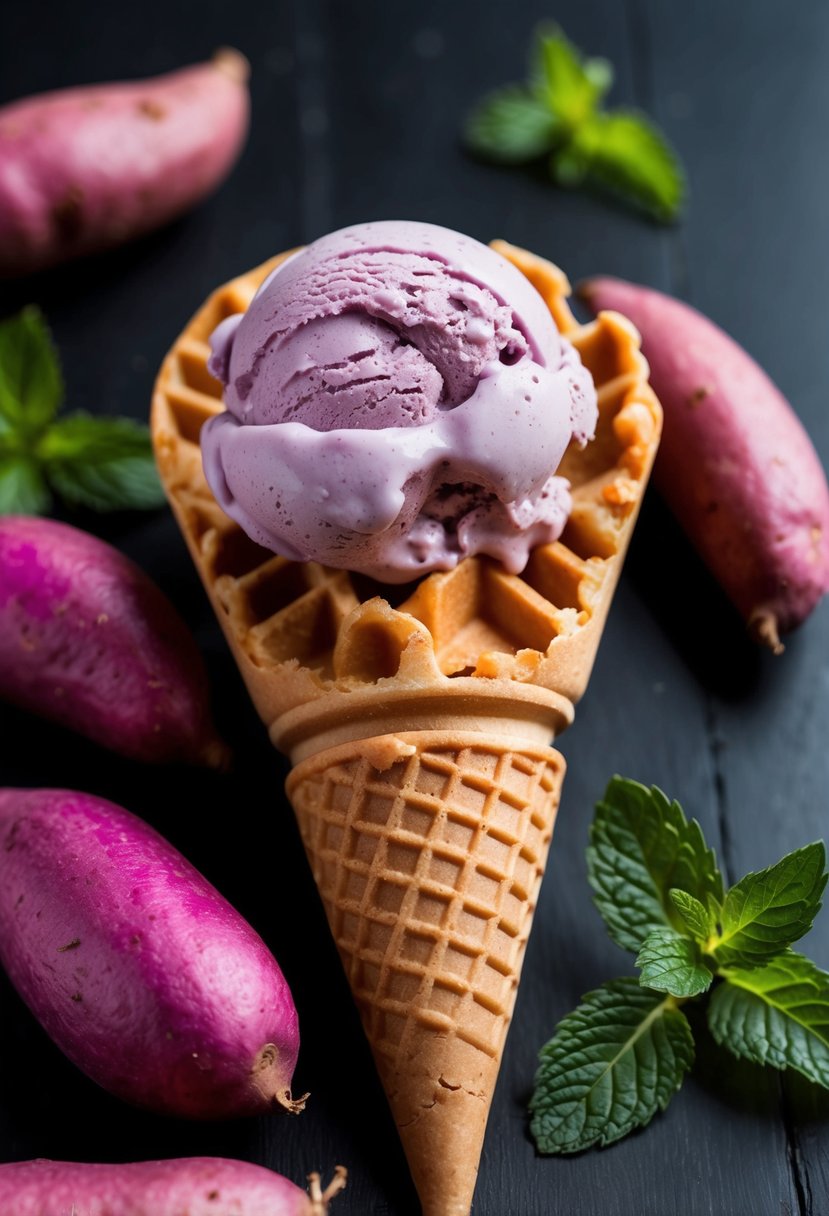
x: 356, y: 109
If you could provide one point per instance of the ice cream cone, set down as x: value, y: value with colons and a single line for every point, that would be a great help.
x: 418, y: 720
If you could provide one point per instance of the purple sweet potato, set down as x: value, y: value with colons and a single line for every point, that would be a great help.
x: 735, y: 463
x: 191, y: 1186
x: 88, y: 640
x: 141, y: 972
x: 84, y: 169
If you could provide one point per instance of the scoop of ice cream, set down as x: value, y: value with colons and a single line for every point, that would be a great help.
x: 398, y: 397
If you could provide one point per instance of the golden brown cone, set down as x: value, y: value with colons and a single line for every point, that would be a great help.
x: 418, y: 721
x: 429, y: 859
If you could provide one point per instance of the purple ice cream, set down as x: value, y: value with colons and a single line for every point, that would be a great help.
x: 398, y: 397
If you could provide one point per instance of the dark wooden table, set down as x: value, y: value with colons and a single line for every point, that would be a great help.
x: 356, y: 116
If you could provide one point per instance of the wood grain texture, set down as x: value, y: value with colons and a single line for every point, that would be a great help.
x: 356, y: 116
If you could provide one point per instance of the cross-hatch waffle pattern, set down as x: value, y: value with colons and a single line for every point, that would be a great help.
x: 314, y: 631
x: 429, y: 866
x: 429, y: 872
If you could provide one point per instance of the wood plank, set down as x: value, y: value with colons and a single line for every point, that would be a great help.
x: 756, y: 251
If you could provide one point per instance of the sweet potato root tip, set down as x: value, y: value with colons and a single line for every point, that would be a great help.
x: 319, y: 1198
x: 762, y: 626
x: 294, y: 1106
x: 268, y: 1077
x: 233, y: 63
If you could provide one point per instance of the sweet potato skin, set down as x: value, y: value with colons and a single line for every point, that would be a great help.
x: 141, y: 972
x: 195, y: 1186
x: 88, y: 640
x: 735, y: 463
x: 83, y: 169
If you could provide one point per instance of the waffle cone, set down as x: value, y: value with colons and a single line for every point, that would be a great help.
x: 428, y: 849
x: 423, y: 784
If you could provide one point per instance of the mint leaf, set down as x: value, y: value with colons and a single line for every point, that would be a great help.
x: 777, y: 1014
x: 613, y: 1062
x: 672, y: 963
x: 511, y: 126
x: 699, y: 921
x: 559, y: 111
x: 767, y: 911
x: 624, y: 153
x: 103, y: 463
x: 570, y: 87
x: 642, y: 846
x: 31, y: 387
x: 22, y: 489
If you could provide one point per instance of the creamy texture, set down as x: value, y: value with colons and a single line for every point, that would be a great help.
x: 398, y: 397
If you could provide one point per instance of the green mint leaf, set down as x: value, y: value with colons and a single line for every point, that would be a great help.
x: 642, y: 846
x: 22, y: 489
x: 601, y: 76
x: 31, y: 388
x: 767, y: 911
x: 777, y: 1014
x: 569, y: 86
x: 697, y: 919
x: 672, y: 963
x: 568, y: 167
x: 560, y: 112
x: 613, y: 1062
x: 511, y: 126
x: 103, y: 463
x: 624, y: 153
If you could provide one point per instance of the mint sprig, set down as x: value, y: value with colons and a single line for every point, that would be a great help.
x: 641, y: 848
x: 613, y: 1063
x: 513, y: 127
x: 777, y: 1014
x: 102, y: 463
x: 621, y: 1055
x: 31, y: 386
x: 697, y: 919
x: 672, y: 963
x: 765, y: 912
x: 22, y: 488
x: 558, y: 114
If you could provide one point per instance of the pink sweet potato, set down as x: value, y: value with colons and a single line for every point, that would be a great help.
x: 191, y: 1186
x: 84, y: 169
x: 141, y: 972
x: 88, y: 640
x: 735, y: 463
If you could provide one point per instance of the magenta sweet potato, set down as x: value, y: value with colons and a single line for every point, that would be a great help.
x: 88, y: 640
x: 195, y: 1186
x: 137, y: 967
x: 735, y: 463
x: 84, y: 169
